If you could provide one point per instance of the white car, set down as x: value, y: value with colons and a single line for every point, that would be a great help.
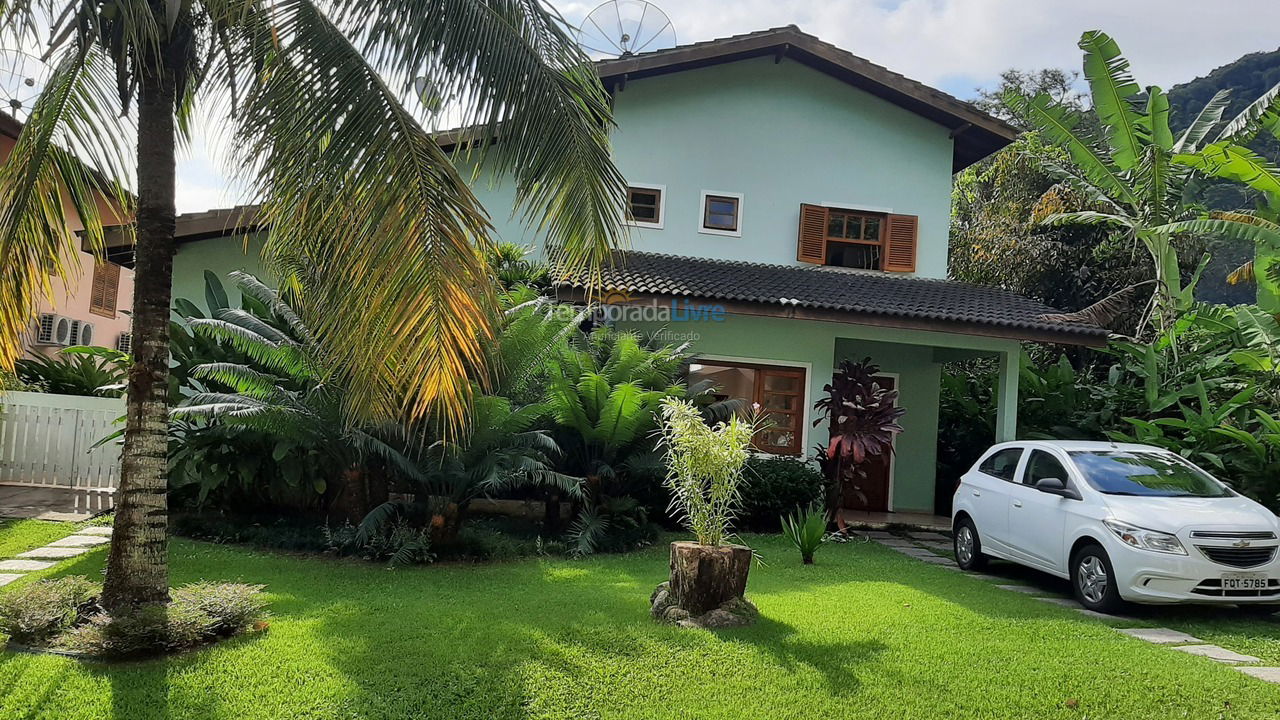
x: 1122, y: 522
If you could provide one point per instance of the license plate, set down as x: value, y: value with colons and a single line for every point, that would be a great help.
x: 1244, y: 581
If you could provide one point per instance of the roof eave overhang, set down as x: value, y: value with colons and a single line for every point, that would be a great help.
x: 849, y: 317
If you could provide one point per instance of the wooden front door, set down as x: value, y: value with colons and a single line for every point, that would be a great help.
x: 870, y: 492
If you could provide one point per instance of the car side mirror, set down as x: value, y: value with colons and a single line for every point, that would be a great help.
x: 1056, y: 486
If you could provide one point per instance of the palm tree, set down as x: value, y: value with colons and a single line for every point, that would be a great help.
x: 371, y: 222
x: 1131, y: 168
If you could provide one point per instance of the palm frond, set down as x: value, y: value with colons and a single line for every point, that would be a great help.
x: 521, y: 78
x: 1102, y: 313
x: 369, y: 219
x: 1230, y: 161
x: 1263, y: 113
x: 1243, y: 275
x: 51, y: 184
x: 1156, y: 121
x: 1239, y: 227
x: 1060, y: 126
x: 1087, y: 217
x: 1113, y: 90
x: 1207, y: 119
x: 256, y: 289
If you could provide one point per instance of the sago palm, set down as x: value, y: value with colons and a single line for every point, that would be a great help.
x: 1130, y: 170
x: 285, y: 391
x: 371, y: 222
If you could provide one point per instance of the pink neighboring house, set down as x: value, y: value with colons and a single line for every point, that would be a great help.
x: 95, y: 302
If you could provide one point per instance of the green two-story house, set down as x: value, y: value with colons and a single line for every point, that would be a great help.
x: 789, y: 208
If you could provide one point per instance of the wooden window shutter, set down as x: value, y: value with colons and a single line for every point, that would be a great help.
x: 105, y: 290
x: 812, y: 244
x: 900, y: 241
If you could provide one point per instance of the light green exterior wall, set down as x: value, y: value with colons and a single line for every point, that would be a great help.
x: 916, y: 357
x: 781, y: 135
x: 221, y: 255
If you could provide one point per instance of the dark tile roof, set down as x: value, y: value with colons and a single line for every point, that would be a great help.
x: 857, y: 293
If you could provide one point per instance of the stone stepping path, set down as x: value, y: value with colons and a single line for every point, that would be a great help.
x: 1026, y: 589
x: 1161, y: 636
x: 54, y: 553
x: 78, y: 543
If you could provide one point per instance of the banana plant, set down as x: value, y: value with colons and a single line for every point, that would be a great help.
x: 1133, y: 170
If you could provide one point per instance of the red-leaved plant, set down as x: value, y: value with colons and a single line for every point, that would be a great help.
x: 863, y: 418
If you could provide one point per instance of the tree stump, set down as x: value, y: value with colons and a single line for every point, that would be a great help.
x: 704, y: 577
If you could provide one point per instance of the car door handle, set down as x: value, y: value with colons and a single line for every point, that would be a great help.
x: 977, y: 493
x: 1017, y: 503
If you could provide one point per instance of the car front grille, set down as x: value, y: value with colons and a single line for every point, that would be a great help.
x: 1229, y: 535
x: 1240, y: 557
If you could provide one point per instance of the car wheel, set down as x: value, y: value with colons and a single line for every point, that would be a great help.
x: 968, y: 546
x: 1094, y: 581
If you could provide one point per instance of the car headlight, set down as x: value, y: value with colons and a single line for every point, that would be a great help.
x: 1144, y: 539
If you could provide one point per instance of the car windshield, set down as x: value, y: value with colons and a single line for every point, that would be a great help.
x: 1152, y: 474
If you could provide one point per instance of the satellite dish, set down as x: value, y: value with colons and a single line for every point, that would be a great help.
x: 22, y: 78
x: 619, y: 28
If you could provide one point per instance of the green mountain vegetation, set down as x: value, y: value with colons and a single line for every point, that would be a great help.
x: 1247, y: 79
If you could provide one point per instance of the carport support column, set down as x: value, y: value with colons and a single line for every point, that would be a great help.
x: 1007, y: 395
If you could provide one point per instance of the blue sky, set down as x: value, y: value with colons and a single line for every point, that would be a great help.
x: 954, y: 45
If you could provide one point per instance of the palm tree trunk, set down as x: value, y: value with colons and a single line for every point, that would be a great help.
x: 138, y: 570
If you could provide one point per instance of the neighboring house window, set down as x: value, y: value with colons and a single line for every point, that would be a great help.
x: 778, y: 390
x: 644, y: 205
x: 105, y: 289
x: 721, y: 213
x: 857, y: 239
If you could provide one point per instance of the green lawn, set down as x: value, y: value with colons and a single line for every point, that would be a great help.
x: 864, y: 633
x: 21, y: 535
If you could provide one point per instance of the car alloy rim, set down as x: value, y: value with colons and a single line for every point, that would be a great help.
x: 964, y: 545
x: 1092, y: 579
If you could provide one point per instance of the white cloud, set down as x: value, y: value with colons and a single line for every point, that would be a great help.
x: 1168, y: 41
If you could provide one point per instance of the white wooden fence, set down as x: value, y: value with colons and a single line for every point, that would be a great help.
x: 46, y: 440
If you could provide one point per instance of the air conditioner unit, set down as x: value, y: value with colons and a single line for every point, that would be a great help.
x: 54, y: 330
x: 124, y: 343
x: 85, y: 336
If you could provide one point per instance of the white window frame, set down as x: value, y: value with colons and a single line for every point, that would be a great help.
x: 702, y: 213
x: 662, y: 206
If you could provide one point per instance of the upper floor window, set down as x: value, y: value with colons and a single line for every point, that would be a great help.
x: 105, y: 289
x: 854, y: 239
x: 857, y: 239
x: 721, y: 213
x: 644, y: 205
